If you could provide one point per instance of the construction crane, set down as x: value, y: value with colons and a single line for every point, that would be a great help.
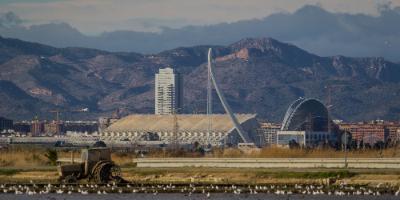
x: 58, y: 112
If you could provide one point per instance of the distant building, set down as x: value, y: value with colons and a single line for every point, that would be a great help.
x: 81, y: 126
x: 105, y: 122
x: 37, y: 127
x: 304, y: 138
x: 54, y: 128
x: 306, y: 115
x: 394, y: 129
x: 267, y: 134
x: 5, y: 124
x: 184, y: 129
x: 23, y: 127
x: 308, y: 123
x: 168, y: 92
x: 372, y: 132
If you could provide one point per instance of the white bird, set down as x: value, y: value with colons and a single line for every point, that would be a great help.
x: 29, y: 192
x: 18, y: 192
x: 84, y: 192
x: 208, y: 195
x: 59, y: 191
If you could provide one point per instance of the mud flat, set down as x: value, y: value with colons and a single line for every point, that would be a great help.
x: 219, y: 183
x: 202, y: 175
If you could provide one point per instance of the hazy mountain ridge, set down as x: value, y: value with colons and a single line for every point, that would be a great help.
x: 260, y: 75
x: 311, y: 27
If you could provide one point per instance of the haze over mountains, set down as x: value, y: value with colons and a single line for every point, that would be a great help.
x: 311, y: 27
x: 257, y: 75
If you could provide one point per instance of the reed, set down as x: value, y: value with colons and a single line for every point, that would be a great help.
x: 32, y: 157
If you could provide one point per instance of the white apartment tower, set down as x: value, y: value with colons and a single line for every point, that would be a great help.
x: 168, y: 92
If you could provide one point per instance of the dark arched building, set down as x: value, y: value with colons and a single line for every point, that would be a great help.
x: 306, y: 115
x: 307, y: 122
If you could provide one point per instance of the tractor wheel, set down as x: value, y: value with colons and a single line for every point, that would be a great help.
x: 102, y: 172
x: 70, y: 179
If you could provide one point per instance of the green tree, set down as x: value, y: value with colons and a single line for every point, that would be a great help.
x: 52, y: 156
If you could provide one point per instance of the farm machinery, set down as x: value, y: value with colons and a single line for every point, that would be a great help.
x: 94, y: 165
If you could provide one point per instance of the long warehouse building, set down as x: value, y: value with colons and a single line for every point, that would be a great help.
x: 183, y: 129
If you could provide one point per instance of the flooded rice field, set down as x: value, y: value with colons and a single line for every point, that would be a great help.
x: 192, y: 191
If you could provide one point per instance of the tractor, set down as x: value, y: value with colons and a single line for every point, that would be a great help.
x: 94, y: 165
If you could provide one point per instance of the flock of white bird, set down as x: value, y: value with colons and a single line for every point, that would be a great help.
x: 84, y: 189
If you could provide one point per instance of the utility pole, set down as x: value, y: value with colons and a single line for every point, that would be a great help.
x: 175, y: 144
x: 345, y: 149
x: 329, y: 107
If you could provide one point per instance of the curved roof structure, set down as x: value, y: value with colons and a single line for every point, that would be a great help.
x: 188, y: 122
x: 305, y: 114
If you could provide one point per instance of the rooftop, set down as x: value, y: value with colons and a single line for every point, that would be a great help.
x: 220, y: 122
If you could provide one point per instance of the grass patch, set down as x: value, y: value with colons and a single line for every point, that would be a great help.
x: 8, y: 172
x: 147, y: 172
x: 315, y: 175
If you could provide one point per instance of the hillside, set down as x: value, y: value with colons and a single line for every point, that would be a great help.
x: 259, y: 75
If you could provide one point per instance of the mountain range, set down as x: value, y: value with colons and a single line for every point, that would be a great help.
x: 257, y: 75
x: 313, y: 28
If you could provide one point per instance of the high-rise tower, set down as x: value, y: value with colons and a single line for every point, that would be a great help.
x: 168, y: 92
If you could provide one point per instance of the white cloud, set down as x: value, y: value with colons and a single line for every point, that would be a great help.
x: 95, y: 16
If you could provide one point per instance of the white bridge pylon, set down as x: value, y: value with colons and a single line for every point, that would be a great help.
x: 245, y: 137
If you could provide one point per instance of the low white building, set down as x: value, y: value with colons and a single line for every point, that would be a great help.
x: 304, y: 138
x: 182, y: 129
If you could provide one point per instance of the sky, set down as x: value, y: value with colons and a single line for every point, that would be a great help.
x: 96, y: 16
